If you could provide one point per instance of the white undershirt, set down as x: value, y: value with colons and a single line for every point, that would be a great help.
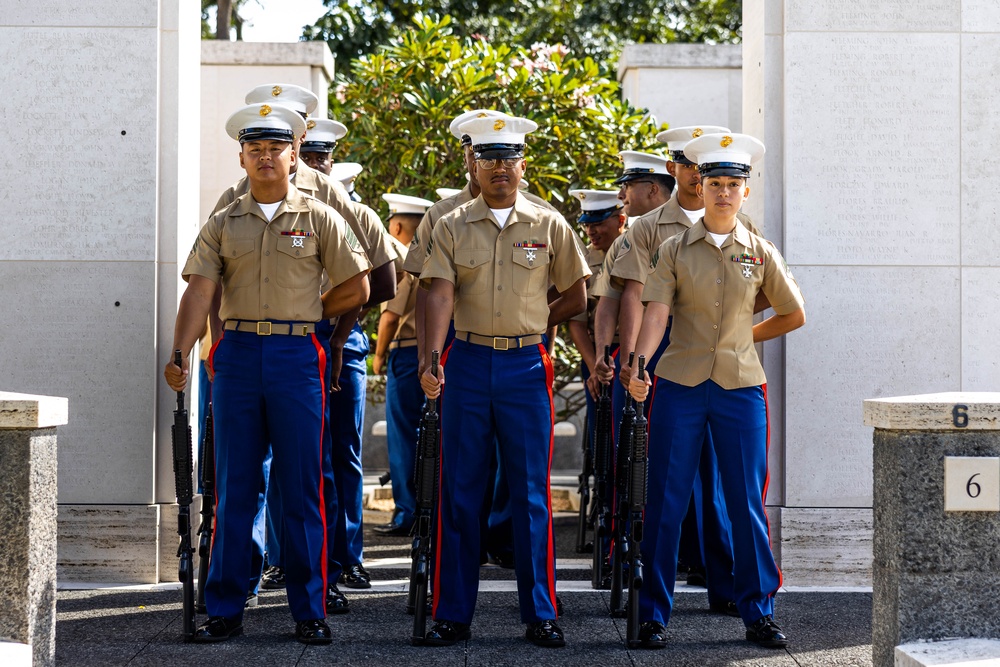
x: 693, y: 216
x: 717, y: 239
x: 269, y: 209
x: 502, y: 214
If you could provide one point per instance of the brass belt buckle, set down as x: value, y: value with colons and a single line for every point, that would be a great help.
x: 498, y: 340
x: 263, y: 328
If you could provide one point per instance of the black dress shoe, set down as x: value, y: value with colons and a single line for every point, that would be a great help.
x: 545, y: 633
x: 506, y: 561
x: 273, y: 578
x: 313, y: 632
x: 446, y: 633
x: 696, y: 577
x: 218, y: 629
x: 252, y: 600
x: 765, y: 632
x: 652, y: 634
x: 398, y: 529
x: 336, y: 602
x: 356, y: 576
x: 727, y: 608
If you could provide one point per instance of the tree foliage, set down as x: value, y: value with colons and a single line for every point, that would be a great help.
x: 399, y: 102
x: 597, y: 29
x: 236, y: 20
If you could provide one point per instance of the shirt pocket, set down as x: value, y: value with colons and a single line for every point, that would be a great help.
x: 239, y: 262
x: 530, y: 269
x: 297, y: 265
x: 473, y: 269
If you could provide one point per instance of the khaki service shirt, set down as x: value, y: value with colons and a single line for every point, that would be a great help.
x: 648, y: 233
x: 501, y: 276
x: 267, y: 272
x: 416, y: 259
x: 602, y: 284
x: 595, y: 262
x: 404, y: 303
x: 711, y: 293
x: 364, y: 222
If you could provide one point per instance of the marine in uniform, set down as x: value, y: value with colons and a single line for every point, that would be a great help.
x: 707, y: 279
x: 603, y: 218
x: 321, y: 140
x: 491, y: 262
x: 496, y: 526
x: 347, y: 173
x: 346, y: 358
x: 396, y: 355
x: 268, y: 250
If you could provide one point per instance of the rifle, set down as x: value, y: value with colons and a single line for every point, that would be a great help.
x: 207, y: 528
x: 620, y: 548
x: 426, y: 482
x: 603, y: 476
x: 181, y: 442
x: 584, y: 490
x: 638, y: 465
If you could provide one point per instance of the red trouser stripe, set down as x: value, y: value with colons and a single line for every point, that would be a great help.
x: 550, y: 556
x: 321, y: 353
x: 437, y: 536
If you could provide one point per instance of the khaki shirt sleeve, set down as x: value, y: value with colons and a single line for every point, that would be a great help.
x: 376, y: 242
x: 568, y: 263
x: 397, y: 304
x: 204, y: 259
x: 417, y: 252
x: 602, y: 284
x: 661, y: 283
x: 440, y: 255
x: 632, y: 262
x: 340, y: 250
x: 779, y: 286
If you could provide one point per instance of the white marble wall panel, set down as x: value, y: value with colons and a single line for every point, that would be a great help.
x: 84, y: 137
x: 868, y: 114
x: 826, y: 547
x: 980, y: 160
x: 870, y: 332
x: 980, y: 16
x: 79, y: 13
x: 109, y: 544
x: 85, y: 330
x: 880, y: 16
x: 980, y: 327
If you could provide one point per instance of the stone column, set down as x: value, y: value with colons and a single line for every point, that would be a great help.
x: 936, y: 470
x: 28, y: 521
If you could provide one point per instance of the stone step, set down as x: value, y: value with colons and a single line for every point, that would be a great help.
x: 949, y: 653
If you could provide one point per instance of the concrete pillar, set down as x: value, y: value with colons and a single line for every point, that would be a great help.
x: 28, y: 525
x: 936, y: 467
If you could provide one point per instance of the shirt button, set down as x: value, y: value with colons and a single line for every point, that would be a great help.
x: 711, y: 349
x: 498, y: 313
x: 716, y: 303
x: 715, y: 326
x: 719, y: 258
x: 267, y: 252
x: 265, y: 306
x: 472, y: 262
x: 718, y: 280
x: 267, y: 280
x: 500, y: 262
x: 499, y: 288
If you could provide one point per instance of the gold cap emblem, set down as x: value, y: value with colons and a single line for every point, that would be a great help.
x: 583, y: 196
x: 275, y: 91
x: 499, y: 125
x: 310, y: 124
x: 264, y: 110
x: 726, y: 141
x: 697, y: 133
x: 481, y: 115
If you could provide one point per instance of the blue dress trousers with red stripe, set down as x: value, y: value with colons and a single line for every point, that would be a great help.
x: 268, y: 390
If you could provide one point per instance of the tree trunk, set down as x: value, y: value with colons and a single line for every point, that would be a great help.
x: 223, y: 19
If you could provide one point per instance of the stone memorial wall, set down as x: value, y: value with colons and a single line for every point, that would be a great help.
x: 100, y: 191
x: 881, y: 135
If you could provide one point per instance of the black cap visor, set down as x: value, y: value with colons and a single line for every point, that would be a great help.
x: 679, y: 157
x: 724, y: 169
x: 317, y: 147
x: 498, y: 151
x: 633, y: 174
x: 262, y: 133
x: 593, y: 217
